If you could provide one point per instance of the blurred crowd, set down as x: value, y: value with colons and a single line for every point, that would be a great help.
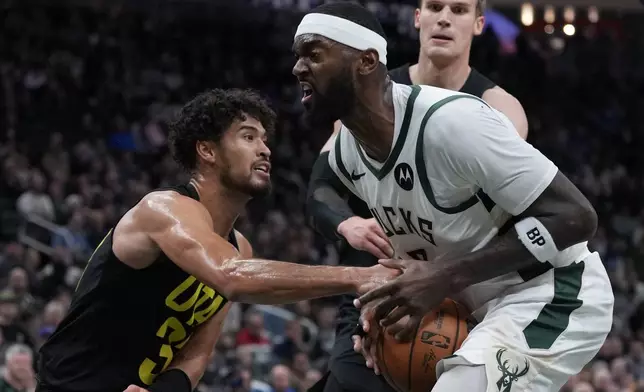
x: 85, y: 94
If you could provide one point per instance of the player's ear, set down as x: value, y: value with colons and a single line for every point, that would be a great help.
x: 479, y: 24
x: 206, y: 150
x: 417, y: 18
x: 369, y: 62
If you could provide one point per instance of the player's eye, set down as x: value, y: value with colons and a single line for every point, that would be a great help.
x: 249, y: 137
x: 459, y: 10
x: 434, y: 7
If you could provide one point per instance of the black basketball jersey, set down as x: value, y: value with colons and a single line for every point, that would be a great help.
x: 124, y: 325
x: 476, y: 83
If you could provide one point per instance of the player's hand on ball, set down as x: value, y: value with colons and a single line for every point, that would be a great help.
x: 405, y: 328
x: 367, y: 235
x: 365, y: 342
x: 421, y: 287
x: 134, y: 388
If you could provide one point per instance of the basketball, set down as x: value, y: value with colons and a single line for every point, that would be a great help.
x: 411, y: 367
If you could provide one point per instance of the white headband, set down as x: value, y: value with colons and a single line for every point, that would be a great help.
x: 345, y: 32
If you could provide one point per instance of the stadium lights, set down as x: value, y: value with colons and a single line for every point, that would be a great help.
x: 549, y: 14
x: 593, y: 14
x: 527, y: 14
x: 569, y: 14
x: 569, y: 29
x: 549, y: 29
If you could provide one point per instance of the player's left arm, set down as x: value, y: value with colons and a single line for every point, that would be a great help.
x: 507, y: 104
x: 551, y: 213
x: 193, y: 358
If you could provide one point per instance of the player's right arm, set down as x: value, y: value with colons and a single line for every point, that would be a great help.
x: 182, y: 229
x: 329, y: 213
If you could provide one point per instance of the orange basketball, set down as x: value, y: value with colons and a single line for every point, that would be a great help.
x: 411, y: 367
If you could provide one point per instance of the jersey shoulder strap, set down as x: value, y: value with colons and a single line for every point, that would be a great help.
x: 477, y: 84
x: 190, y: 191
x: 421, y: 160
x: 343, y: 147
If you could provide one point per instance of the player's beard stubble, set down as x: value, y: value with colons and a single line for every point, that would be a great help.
x: 234, y: 177
x: 332, y: 103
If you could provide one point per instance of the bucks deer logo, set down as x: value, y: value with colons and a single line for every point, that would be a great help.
x: 504, y: 384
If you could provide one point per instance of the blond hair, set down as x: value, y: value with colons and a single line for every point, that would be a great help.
x: 480, y: 6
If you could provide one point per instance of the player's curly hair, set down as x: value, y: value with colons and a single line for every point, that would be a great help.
x: 209, y: 115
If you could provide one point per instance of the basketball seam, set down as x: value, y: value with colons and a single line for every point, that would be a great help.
x: 411, y: 355
x: 458, y: 325
x: 385, y: 373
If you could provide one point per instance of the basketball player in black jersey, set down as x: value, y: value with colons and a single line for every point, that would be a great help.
x: 446, y: 30
x: 149, y: 306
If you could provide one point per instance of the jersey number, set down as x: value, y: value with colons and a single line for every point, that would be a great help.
x: 173, y: 332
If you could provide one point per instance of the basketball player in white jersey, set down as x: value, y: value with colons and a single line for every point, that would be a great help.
x: 472, y: 211
x: 446, y: 30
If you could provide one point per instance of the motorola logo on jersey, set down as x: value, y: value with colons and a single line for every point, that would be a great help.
x: 404, y: 176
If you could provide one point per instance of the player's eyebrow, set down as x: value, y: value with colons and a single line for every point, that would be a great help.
x: 305, y: 42
x: 259, y: 132
x: 461, y: 4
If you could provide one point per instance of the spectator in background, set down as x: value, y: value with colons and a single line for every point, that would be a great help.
x: 291, y: 343
x: 12, y: 330
x: 244, y: 382
x: 312, y: 377
x: 253, y: 338
x: 281, y: 379
x: 35, y: 201
x: 74, y: 238
x: 300, y: 367
x: 18, y: 285
x: 52, y: 316
x: 583, y: 387
x: 18, y: 374
x: 13, y: 254
x: 636, y: 357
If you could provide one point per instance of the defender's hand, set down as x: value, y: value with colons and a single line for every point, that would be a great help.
x: 365, y: 341
x: 373, y: 277
x: 420, y: 288
x: 367, y: 235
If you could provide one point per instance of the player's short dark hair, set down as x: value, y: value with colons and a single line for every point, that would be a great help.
x: 209, y: 115
x: 353, y: 12
x: 481, y: 5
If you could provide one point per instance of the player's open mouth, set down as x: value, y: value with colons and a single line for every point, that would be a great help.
x: 441, y: 38
x: 307, y: 91
x: 264, y: 168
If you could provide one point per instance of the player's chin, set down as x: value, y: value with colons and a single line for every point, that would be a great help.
x: 316, y: 117
x: 260, y: 185
x: 442, y: 52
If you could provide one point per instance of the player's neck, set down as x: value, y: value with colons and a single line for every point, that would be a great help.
x: 372, y: 122
x: 223, y: 205
x: 450, y: 75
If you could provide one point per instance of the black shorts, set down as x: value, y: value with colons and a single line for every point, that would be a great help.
x: 348, y: 371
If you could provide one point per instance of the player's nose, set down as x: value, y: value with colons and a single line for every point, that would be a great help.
x: 444, y: 17
x: 264, y: 151
x: 299, y: 68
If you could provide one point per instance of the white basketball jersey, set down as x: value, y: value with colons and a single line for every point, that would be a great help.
x: 457, y: 172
